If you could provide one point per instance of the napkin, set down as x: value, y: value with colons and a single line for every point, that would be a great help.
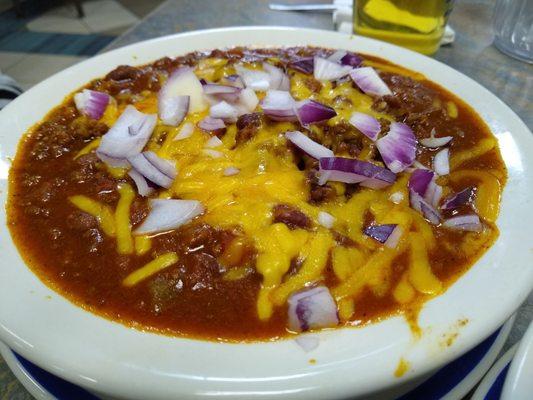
x: 342, y: 19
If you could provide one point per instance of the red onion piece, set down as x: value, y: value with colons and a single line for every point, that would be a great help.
x: 311, y: 111
x: 183, y: 82
x: 470, y: 223
x: 434, y: 142
x: 419, y: 181
x: 465, y: 196
x: 312, y: 309
x: 307, y: 342
x: 325, y: 219
x: 91, y: 103
x: 278, y: 79
x: 380, y: 232
x: 279, y: 105
x: 232, y: 80
x: 326, y: 70
x: 213, y: 142
x: 128, y: 136
x: 168, y: 214
x: 186, y: 131
x: 254, y: 79
x: 224, y: 111
x: 351, y: 59
x: 150, y: 171
x: 368, y: 125
x: 308, y: 146
x: 397, y: 147
x: 172, y: 110
x: 419, y: 204
x: 230, y: 171
x: 112, y: 161
x: 210, y: 124
x: 165, y: 166
x: 222, y: 92
x: 337, y: 56
x: 350, y: 170
x: 305, y: 65
x: 441, y: 162
x: 248, y: 100
x: 368, y: 80
x: 394, y: 238
x: 142, y: 185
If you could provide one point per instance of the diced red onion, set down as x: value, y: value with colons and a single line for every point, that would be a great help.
x: 213, y: 142
x: 128, y: 136
x: 470, y: 223
x: 368, y: 125
x: 441, y: 162
x: 142, y: 185
x: 397, y: 147
x: 168, y: 214
x: 368, y: 80
x: 307, y: 342
x: 308, y: 146
x: 305, y: 65
x: 224, y: 111
x: 210, y: 124
x: 422, y: 183
x: 394, y: 238
x: 254, y: 79
x: 312, y: 309
x: 279, y: 105
x: 351, y: 59
x: 396, y: 197
x: 434, y: 142
x: 248, y: 99
x: 326, y: 70
x: 232, y: 80
x: 434, y: 193
x: 165, y: 166
x: 112, y: 161
x: 212, y: 153
x: 183, y: 82
x: 91, y: 103
x: 230, y: 171
x: 380, y: 232
x: 465, y: 196
x: 350, y: 170
x: 186, y: 131
x: 172, y: 110
x: 278, y: 79
x: 336, y: 56
x: 222, y: 92
x: 325, y: 219
x: 420, y: 179
x: 150, y: 171
x: 419, y: 204
x: 311, y: 111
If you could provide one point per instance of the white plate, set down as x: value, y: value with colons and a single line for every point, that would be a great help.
x: 109, y: 358
x: 519, y: 381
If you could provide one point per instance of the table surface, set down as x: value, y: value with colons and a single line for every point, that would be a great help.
x: 472, y: 53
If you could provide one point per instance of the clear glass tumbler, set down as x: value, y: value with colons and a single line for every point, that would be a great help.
x: 513, y: 28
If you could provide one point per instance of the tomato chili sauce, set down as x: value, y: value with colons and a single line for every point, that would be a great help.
x: 212, y: 291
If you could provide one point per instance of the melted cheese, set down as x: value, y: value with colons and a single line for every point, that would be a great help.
x: 102, y: 212
x: 122, y: 219
x: 161, y: 262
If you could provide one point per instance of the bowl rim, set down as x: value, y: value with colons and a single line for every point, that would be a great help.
x: 340, y: 370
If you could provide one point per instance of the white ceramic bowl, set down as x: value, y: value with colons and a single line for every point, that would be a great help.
x: 109, y: 358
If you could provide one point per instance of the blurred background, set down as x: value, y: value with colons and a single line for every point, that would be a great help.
x: 41, y: 37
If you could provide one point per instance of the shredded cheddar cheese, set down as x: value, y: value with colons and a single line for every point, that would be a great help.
x: 122, y: 219
x: 92, y: 145
x: 102, y: 212
x: 161, y: 262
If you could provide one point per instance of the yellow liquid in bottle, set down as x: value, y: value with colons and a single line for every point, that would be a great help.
x: 415, y: 24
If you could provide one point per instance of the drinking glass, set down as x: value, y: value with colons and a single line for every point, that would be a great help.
x: 513, y: 28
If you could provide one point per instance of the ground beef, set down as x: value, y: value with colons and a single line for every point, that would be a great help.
x: 319, y: 193
x: 247, y: 127
x: 343, y: 138
x: 139, y: 210
x: 81, y: 221
x: 312, y: 84
x: 131, y: 79
x: 290, y: 216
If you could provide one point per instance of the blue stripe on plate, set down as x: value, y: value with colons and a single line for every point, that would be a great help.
x: 57, y: 387
x: 495, y: 391
x: 445, y: 379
